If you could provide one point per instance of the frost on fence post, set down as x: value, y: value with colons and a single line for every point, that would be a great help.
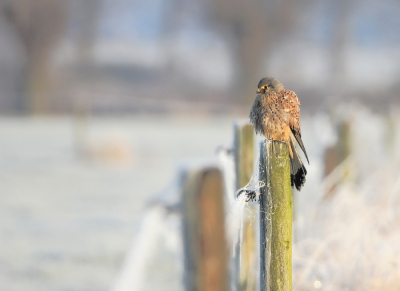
x: 275, y: 217
x: 244, y: 164
x: 205, y: 247
x: 244, y: 152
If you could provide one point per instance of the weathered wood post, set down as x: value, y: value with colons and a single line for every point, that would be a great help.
x: 275, y: 217
x: 337, y: 153
x: 244, y: 164
x: 244, y: 152
x: 205, y: 247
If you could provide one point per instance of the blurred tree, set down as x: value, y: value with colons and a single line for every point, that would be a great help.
x: 254, y: 27
x: 89, y: 16
x: 86, y: 14
x: 39, y: 25
x: 172, y: 14
x: 342, y: 35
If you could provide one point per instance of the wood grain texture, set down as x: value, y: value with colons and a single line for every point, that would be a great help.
x: 244, y: 164
x: 275, y: 218
x: 205, y: 247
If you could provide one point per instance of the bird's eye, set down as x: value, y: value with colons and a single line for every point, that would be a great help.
x: 263, y: 88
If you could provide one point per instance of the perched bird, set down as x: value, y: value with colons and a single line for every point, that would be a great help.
x: 276, y: 115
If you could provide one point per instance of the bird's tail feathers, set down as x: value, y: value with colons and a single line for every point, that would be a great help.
x: 297, y: 170
x: 297, y: 136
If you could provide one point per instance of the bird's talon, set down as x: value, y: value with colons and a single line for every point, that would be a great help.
x: 240, y: 192
x: 251, y: 195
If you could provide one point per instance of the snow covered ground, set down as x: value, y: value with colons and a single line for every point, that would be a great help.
x: 67, y: 221
x: 74, y: 195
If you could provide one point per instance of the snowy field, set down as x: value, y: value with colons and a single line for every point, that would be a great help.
x: 67, y: 220
x: 74, y: 199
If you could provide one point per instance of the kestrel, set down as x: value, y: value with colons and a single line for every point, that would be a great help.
x: 276, y: 115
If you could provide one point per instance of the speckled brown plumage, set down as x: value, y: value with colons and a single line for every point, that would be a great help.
x: 276, y: 115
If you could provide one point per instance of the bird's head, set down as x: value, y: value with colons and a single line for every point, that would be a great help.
x: 269, y: 85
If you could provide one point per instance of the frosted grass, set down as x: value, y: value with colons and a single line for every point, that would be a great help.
x: 159, y: 226
x: 350, y: 241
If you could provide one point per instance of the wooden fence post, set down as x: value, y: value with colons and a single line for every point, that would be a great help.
x: 337, y: 153
x: 275, y: 217
x: 244, y: 164
x: 205, y: 247
x: 244, y: 152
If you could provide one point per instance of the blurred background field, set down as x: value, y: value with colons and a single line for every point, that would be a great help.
x: 100, y: 100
